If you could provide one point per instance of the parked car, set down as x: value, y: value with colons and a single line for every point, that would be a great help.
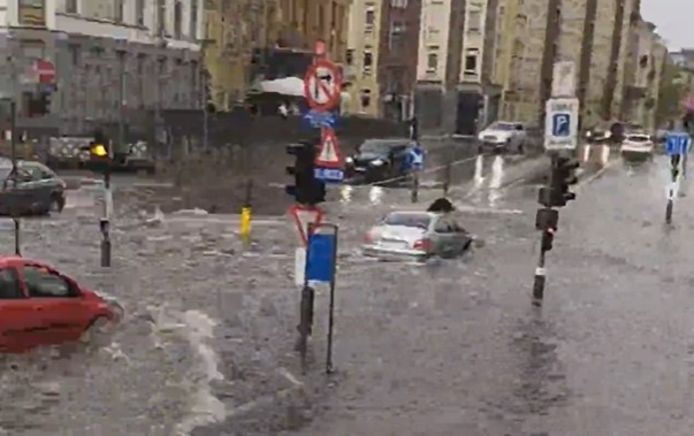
x: 379, y: 159
x: 40, y: 306
x: 35, y: 190
x: 637, y: 146
x: 417, y: 235
x: 503, y: 136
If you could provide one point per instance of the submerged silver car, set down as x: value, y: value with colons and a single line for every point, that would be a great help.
x: 417, y: 236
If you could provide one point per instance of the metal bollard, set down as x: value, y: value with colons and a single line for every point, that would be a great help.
x: 105, y: 243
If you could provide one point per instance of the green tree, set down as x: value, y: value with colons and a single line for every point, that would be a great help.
x: 672, y: 90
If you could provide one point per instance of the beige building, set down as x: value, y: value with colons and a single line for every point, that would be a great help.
x: 644, y: 68
x: 520, y: 49
x: 361, y: 69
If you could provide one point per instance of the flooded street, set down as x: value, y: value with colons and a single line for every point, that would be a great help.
x: 448, y: 347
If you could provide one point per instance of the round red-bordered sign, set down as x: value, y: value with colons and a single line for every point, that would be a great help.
x: 322, y: 94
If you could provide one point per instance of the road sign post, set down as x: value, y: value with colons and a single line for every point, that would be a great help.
x: 561, y: 124
x: 321, y: 265
x: 677, y: 146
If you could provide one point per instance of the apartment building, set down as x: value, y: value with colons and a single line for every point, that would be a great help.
x: 439, y: 59
x: 234, y: 31
x: 363, y: 57
x: 153, y: 45
x: 302, y: 22
x: 471, y: 90
x: 397, y: 60
x: 520, y: 52
x: 643, y: 72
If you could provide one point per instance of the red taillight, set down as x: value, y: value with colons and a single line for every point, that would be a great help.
x: 422, y: 244
x: 368, y: 238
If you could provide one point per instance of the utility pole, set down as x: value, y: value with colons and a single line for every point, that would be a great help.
x: 13, y: 142
x: 121, y: 102
x: 14, y: 78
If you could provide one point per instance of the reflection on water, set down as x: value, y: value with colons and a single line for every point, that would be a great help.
x: 605, y: 156
x: 586, y: 153
x: 496, y: 179
x: 346, y: 193
x: 478, y: 178
x: 542, y: 381
x: 376, y: 195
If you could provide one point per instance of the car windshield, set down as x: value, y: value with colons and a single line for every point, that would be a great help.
x: 501, y: 126
x: 638, y: 138
x: 378, y: 147
x: 408, y: 220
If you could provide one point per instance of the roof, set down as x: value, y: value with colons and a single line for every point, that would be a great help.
x: 12, y: 260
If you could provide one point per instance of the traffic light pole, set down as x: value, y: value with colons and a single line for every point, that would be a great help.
x: 541, y: 271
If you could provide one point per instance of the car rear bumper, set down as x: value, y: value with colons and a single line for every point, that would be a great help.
x: 392, y: 253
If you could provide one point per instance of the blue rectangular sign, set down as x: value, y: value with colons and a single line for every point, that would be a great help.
x: 329, y: 175
x: 561, y: 124
x: 676, y: 143
x: 316, y: 119
x: 320, y: 259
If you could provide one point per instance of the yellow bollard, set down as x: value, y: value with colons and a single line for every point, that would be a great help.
x: 245, y: 230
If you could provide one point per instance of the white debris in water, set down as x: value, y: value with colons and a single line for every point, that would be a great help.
x: 191, y: 212
x: 205, y: 408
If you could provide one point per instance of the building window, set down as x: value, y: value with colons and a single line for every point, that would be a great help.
x: 433, y: 58
x: 474, y: 23
x: 161, y: 17
x: 365, y: 98
x: 75, y: 51
x: 349, y: 57
x: 194, y: 19
x: 140, y: 12
x: 71, y: 6
x: 471, y: 60
x: 397, y: 34
x: 370, y: 18
x: 118, y: 12
x: 398, y: 4
x: 368, y: 61
x: 178, y: 19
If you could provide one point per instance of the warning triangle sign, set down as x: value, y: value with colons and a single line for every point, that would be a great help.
x: 329, y: 156
x: 302, y: 217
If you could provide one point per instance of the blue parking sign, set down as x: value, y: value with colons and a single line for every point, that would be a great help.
x: 561, y: 124
x: 677, y: 143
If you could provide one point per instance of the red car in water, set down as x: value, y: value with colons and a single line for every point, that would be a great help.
x: 40, y: 306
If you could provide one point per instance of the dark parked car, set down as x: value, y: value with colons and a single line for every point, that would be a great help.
x: 379, y: 159
x: 38, y: 190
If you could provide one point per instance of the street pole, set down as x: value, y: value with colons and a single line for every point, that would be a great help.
x: 541, y: 271
x: 121, y: 102
x: 13, y: 145
x: 105, y: 222
x: 203, y: 81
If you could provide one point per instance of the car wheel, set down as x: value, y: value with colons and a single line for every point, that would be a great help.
x: 96, y: 331
x: 521, y: 147
x: 56, y: 204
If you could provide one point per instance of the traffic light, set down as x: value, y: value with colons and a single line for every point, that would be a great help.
x: 306, y: 189
x: 99, y: 152
x: 563, y: 176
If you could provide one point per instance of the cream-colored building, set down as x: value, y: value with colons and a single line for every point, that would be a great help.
x: 520, y: 50
x: 643, y: 72
x: 433, y: 41
x: 361, y: 65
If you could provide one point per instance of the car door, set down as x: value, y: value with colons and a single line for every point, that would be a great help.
x: 461, y: 238
x: 21, y: 192
x: 64, y: 315
x: 442, y: 237
x: 19, y: 323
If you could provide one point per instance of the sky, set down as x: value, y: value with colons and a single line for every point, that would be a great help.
x: 673, y: 19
